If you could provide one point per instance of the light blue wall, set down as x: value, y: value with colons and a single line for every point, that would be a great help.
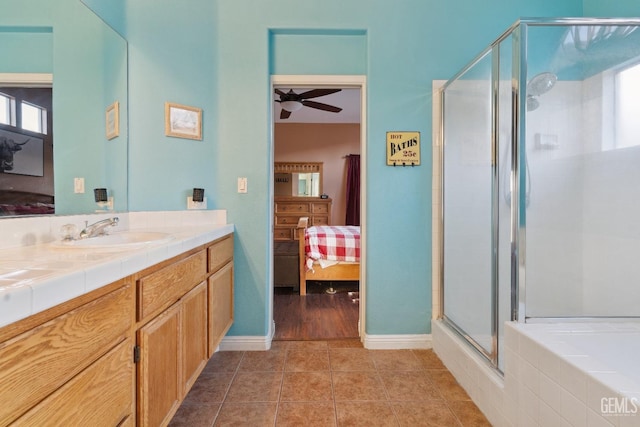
x: 219, y: 55
x: 613, y: 9
x: 14, y: 41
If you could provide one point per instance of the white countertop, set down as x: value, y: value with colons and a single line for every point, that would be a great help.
x: 36, y: 277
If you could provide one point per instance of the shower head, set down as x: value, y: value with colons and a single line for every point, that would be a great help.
x: 541, y: 83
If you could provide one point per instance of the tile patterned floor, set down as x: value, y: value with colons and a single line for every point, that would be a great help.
x: 327, y: 383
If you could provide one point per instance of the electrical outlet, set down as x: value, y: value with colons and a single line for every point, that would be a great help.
x: 191, y: 205
x: 78, y: 185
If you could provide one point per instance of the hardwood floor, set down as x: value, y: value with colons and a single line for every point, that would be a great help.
x: 318, y: 315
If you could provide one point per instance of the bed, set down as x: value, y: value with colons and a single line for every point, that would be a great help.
x: 14, y: 203
x: 321, y: 259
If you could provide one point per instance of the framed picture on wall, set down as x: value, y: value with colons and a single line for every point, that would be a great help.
x: 22, y: 154
x: 113, y: 120
x: 182, y: 121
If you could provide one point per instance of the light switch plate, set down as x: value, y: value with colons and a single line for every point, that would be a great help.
x: 242, y: 185
x: 78, y: 185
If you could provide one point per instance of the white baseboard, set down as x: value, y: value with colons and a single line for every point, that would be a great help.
x: 397, y: 342
x: 248, y: 343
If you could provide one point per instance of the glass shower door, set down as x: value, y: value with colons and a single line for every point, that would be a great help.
x: 468, y: 234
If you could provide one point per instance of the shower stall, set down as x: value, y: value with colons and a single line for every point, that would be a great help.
x: 541, y: 180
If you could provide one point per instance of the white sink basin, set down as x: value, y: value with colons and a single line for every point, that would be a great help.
x: 117, y: 241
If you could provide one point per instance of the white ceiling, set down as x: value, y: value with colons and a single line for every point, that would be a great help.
x: 348, y: 99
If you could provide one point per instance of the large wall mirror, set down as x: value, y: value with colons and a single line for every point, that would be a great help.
x: 298, y: 179
x: 66, y: 47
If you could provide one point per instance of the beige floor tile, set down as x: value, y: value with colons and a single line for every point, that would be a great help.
x: 255, y: 387
x: 350, y: 343
x: 447, y: 385
x: 365, y: 414
x: 433, y: 413
x: 468, y: 413
x: 306, y: 360
x: 262, y: 361
x: 327, y: 383
x: 429, y: 359
x: 224, y: 361
x: 307, y: 345
x: 298, y: 414
x: 395, y: 360
x: 306, y: 386
x: 409, y: 386
x: 358, y: 386
x: 351, y: 359
x: 189, y: 415
x: 246, y: 414
x: 209, y: 388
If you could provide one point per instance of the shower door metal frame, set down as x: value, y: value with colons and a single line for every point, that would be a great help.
x: 494, y: 49
x: 519, y: 31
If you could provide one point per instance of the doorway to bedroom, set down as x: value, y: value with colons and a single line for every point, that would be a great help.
x: 318, y: 134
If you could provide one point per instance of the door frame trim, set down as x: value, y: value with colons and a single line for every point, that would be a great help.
x: 343, y: 81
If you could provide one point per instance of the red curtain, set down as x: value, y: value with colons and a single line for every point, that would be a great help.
x: 353, y: 190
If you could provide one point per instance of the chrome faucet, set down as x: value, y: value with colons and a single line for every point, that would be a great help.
x: 98, y: 228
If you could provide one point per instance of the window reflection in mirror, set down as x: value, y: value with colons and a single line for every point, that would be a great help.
x: 297, y: 179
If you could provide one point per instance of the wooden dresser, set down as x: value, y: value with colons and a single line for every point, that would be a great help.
x: 289, y: 209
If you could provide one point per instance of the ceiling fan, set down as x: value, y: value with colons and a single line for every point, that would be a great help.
x: 291, y: 101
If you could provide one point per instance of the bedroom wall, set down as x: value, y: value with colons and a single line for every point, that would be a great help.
x: 327, y: 143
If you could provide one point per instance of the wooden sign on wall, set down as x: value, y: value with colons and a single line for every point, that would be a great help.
x: 403, y: 148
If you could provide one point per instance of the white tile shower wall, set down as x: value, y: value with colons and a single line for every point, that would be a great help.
x: 544, y: 383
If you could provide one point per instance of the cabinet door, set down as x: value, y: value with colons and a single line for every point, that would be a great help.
x: 194, y: 335
x: 159, y: 370
x: 220, y: 305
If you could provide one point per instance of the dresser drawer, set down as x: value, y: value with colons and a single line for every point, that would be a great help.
x: 320, y: 208
x: 283, y: 233
x: 320, y: 220
x: 292, y: 207
x: 290, y: 220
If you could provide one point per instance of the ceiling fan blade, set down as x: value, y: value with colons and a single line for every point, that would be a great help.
x: 281, y: 93
x: 314, y: 93
x: 320, y: 106
x: 284, y: 114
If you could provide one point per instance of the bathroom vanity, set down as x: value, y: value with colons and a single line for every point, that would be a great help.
x: 127, y: 352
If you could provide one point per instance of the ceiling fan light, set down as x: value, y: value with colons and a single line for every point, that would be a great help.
x: 291, y: 105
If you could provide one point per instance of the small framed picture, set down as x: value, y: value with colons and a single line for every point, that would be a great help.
x: 182, y: 121
x: 113, y: 120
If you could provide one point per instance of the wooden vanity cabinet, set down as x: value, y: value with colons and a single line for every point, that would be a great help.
x: 71, y: 364
x: 122, y: 355
x: 178, y: 303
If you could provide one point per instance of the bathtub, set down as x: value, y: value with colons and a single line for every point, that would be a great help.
x: 569, y: 373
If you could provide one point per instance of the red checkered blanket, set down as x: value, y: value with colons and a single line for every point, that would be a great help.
x: 334, y: 243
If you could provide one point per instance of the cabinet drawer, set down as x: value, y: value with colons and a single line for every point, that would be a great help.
x: 220, y: 253
x: 100, y: 395
x: 292, y: 207
x: 320, y: 220
x: 320, y: 208
x: 162, y: 288
x: 41, y: 360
